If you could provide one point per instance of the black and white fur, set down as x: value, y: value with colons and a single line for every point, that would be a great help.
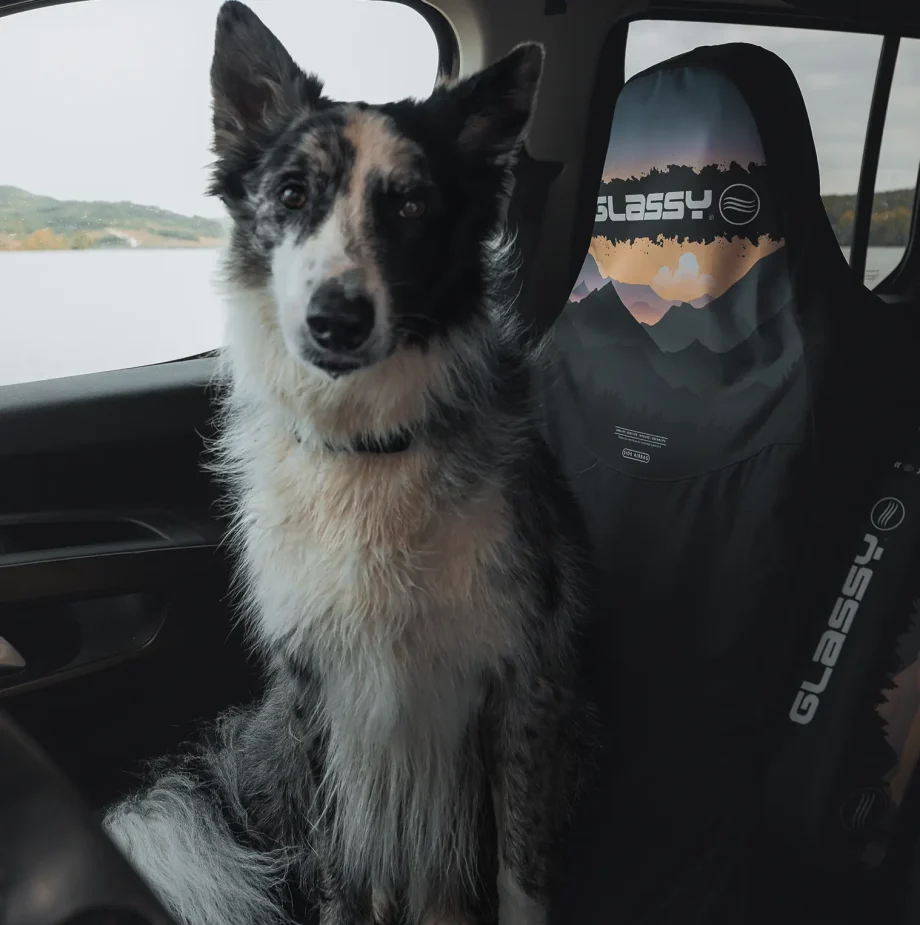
x: 412, y: 563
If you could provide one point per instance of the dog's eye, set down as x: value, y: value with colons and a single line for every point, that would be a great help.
x: 293, y: 196
x: 412, y: 208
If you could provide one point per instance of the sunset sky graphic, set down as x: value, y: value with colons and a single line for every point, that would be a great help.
x: 691, y: 117
x: 676, y: 271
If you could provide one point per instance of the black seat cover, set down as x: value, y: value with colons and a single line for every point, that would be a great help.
x: 707, y: 397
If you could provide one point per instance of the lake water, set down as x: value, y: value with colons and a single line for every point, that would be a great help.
x: 880, y: 261
x: 68, y: 312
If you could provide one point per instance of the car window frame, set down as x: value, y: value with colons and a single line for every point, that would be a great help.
x: 906, y: 274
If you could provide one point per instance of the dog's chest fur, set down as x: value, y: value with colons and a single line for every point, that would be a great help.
x: 354, y: 550
x: 394, y: 594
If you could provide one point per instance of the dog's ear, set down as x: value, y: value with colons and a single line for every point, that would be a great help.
x: 497, y: 103
x: 254, y: 81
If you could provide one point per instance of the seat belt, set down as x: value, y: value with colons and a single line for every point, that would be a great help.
x: 853, y: 738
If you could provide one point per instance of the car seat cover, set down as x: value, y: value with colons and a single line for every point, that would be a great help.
x: 687, y: 400
x: 683, y: 316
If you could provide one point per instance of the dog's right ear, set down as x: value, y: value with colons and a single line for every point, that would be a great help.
x: 495, y: 105
x: 254, y: 81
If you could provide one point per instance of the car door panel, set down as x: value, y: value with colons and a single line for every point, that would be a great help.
x: 114, y: 582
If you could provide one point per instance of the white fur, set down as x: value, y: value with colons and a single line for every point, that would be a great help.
x: 190, y: 859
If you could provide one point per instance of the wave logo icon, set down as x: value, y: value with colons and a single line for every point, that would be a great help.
x: 739, y: 204
x: 864, y: 810
x: 887, y: 514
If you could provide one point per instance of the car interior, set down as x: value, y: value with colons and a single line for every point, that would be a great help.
x: 747, y: 459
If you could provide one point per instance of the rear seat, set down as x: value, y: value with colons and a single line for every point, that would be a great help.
x: 715, y: 398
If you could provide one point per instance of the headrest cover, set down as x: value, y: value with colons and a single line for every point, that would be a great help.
x: 683, y: 211
x: 684, y: 312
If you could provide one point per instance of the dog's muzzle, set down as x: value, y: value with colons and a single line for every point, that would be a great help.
x: 338, y: 322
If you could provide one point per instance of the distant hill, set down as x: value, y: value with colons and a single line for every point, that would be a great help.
x: 32, y: 222
x: 891, y: 215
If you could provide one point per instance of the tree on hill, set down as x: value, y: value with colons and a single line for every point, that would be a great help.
x: 44, y: 240
x: 891, y: 217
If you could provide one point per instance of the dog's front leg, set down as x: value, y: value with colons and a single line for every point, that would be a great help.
x: 340, y: 903
x: 532, y: 780
x: 342, y: 900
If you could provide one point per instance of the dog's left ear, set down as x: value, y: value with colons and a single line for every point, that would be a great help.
x: 497, y: 103
x: 254, y: 81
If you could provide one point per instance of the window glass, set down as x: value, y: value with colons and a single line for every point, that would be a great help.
x: 836, y: 72
x: 896, y: 182
x: 108, y: 245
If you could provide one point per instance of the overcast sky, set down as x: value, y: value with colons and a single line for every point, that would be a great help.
x: 111, y: 100
x: 836, y: 72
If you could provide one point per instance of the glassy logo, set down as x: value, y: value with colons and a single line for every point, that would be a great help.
x: 832, y: 640
x: 888, y: 514
x: 739, y: 204
x: 639, y: 207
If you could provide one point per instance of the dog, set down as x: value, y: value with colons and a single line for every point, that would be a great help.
x: 412, y: 564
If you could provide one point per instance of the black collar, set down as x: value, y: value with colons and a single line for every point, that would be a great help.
x: 397, y: 442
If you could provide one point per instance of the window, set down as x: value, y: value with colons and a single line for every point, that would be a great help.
x: 836, y: 72
x: 899, y: 160
x: 108, y: 245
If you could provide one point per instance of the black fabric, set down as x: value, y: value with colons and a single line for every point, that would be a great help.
x: 533, y: 180
x: 853, y: 739
x: 718, y: 458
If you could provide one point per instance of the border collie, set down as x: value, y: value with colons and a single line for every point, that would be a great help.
x: 412, y: 564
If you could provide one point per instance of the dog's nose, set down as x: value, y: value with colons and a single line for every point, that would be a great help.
x: 338, y: 321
